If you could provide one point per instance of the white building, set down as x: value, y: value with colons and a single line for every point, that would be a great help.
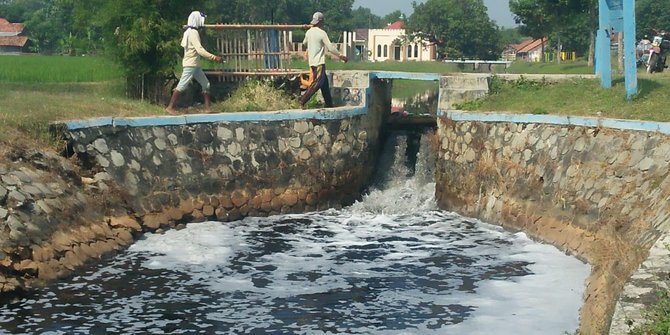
x: 390, y: 43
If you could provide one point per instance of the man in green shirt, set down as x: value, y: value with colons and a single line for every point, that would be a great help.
x: 317, y: 44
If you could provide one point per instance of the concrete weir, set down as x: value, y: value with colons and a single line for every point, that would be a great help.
x: 596, y: 188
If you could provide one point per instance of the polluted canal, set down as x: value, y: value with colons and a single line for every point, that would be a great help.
x: 390, y: 264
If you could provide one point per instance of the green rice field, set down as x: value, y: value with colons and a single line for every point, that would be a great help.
x: 57, y: 69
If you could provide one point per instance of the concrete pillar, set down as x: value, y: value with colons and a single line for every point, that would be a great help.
x: 630, y: 66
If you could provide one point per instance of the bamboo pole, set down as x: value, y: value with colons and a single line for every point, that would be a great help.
x: 256, y: 26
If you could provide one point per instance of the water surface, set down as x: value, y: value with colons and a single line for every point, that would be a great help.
x: 390, y: 264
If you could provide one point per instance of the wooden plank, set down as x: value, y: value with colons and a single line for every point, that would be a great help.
x: 255, y: 26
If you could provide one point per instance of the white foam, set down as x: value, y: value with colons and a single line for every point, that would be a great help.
x: 390, y: 264
x: 510, y: 306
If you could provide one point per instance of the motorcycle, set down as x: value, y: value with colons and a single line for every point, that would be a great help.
x: 658, y: 53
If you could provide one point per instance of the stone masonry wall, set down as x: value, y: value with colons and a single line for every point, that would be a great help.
x: 229, y: 170
x: 51, y: 221
x: 598, y: 193
x: 57, y: 213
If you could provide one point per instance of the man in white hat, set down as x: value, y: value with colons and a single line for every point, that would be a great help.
x: 193, y: 50
x: 317, y: 43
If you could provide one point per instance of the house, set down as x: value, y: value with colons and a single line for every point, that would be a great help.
x: 389, y: 43
x: 510, y: 53
x: 12, y: 40
x: 529, y: 50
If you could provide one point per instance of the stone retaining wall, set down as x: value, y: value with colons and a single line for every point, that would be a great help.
x: 51, y: 221
x: 598, y: 193
x: 232, y: 169
x: 129, y: 176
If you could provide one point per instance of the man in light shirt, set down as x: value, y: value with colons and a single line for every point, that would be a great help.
x: 193, y: 50
x: 317, y: 44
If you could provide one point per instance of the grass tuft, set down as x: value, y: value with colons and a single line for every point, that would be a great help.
x: 257, y: 96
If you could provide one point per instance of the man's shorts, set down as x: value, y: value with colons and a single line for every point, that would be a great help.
x: 191, y: 73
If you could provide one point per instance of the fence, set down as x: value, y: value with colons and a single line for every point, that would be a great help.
x: 565, y: 56
x: 253, y: 50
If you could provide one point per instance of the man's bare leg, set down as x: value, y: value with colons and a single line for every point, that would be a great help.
x: 173, y: 101
x: 208, y: 108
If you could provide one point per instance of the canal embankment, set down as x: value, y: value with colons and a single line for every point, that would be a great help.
x: 594, y: 187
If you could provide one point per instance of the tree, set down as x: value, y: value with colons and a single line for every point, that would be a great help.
x: 55, y: 26
x: 362, y: 17
x: 550, y: 18
x: 144, y: 36
x: 392, y: 17
x: 338, y: 13
x: 511, y: 36
x: 461, y: 28
x: 20, y: 10
x: 650, y: 15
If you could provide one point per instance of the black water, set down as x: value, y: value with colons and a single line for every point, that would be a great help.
x: 391, y: 264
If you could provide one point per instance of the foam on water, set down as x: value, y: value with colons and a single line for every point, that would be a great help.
x: 390, y: 264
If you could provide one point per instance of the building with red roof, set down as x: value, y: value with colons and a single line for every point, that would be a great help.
x: 12, y: 39
x: 529, y: 50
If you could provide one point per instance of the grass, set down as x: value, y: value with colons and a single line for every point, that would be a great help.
x: 658, y: 318
x: 27, y: 109
x: 580, y: 97
x: 37, y: 90
x: 425, y: 67
x: 576, y: 67
x: 56, y: 69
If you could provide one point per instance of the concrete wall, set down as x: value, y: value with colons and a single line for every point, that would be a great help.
x: 595, y: 188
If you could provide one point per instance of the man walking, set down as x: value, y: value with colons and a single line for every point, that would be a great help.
x: 317, y: 43
x: 193, y: 50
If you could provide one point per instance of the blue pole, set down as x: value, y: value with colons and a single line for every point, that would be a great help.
x: 630, y: 67
x: 603, y: 54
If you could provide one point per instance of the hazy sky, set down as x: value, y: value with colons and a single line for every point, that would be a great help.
x: 498, y: 9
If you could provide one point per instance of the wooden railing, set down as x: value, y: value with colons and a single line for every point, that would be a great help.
x: 253, y: 50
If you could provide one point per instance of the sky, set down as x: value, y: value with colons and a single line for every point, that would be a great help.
x: 498, y: 9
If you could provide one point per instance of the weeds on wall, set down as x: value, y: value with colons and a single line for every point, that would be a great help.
x: 658, y: 317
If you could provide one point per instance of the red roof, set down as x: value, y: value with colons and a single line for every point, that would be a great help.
x: 521, y: 45
x: 534, y: 44
x: 13, y: 41
x: 7, y: 27
x: 396, y: 25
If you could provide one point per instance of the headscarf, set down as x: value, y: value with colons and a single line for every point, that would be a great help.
x: 195, y: 21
